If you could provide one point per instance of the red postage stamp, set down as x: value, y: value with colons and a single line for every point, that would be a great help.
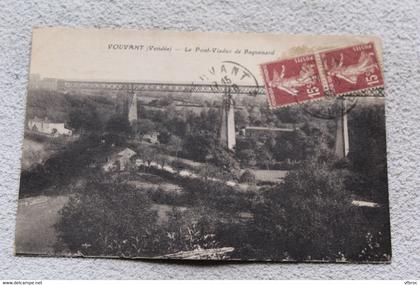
x: 352, y: 69
x: 292, y: 81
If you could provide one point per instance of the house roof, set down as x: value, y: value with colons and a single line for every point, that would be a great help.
x: 127, y: 152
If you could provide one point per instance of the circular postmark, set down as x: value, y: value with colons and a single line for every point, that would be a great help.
x: 329, y: 107
x: 232, y: 78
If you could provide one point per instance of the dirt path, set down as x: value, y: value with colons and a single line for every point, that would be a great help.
x: 35, y: 233
x: 262, y: 175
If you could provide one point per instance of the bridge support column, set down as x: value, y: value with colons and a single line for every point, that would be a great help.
x: 227, y: 127
x: 131, y: 105
x: 132, y: 108
x: 342, y: 133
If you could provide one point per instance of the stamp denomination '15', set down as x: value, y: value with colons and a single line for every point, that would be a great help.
x: 343, y: 71
x: 352, y: 69
x: 292, y: 81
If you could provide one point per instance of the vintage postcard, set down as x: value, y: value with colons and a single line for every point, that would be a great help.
x: 215, y: 146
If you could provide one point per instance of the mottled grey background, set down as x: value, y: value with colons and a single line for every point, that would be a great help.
x: 395, y: 21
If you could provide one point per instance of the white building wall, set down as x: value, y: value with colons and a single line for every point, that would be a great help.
x: 48, y: 128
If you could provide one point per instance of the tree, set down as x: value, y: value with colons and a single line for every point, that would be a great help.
x: 207, y: 171
x: 247, y: 157
x: 223, y: 158
x: 149, y: 155
x: 175, y: 145
x: 164, y: 136
x: 241, y: 118
x: 285, y: 115
x: 161, y: 159
x: 194, y: 229
x: 284, y: 147
x: 171, y: 112
x: 255, y: 116
x: 310, y: 216
x: 368, y: 151
x: 166, y: 101
x: 85, y: 119
x: 247, y: 177
x: 294, y: 145
x: 143, y: 127
x: 104, y: 220
x: 198, y: 145
x: 118, y: 125
x: 265, y: 156
x: 178, y: 165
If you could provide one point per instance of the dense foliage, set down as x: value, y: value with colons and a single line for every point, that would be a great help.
x: 310, y: 215
x: 94, y: 222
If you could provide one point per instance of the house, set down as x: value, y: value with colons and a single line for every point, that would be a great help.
x: 120, y: 161
x: 151, y: 138
x: 46, y: 127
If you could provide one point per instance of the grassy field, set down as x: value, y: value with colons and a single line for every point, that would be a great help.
x: 35, y: 232
x: 270, y: 175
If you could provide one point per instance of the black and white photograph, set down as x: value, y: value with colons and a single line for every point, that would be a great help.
x: 165, y: 145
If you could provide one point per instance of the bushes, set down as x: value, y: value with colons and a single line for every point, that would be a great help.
x: 178, y: 165
x: 193, y: 229
x: 198, y: 145
x: 109, y: 220
x: 311, y: 216
x: 247, y: 177
x: 367, y: 155
x: 161, y: 196
x: 63, y: 167
x: 223, y: 159
x: 118, y: 220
